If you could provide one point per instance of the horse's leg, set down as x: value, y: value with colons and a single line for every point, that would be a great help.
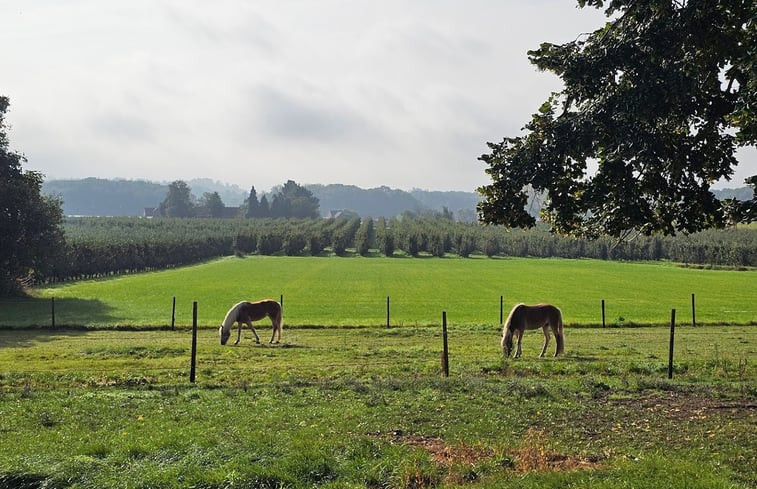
x: 559, y: 337
x: 519, y: 332
x: 257, y: 338
x: 239, y: 332
x: 545, y: 329
x: 275, y: 328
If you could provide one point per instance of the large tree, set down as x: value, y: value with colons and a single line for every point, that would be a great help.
x: 212, y: 203
x: 178, y: 201
x: 296, y: 201
x: 31, y: 237
x: 657, y: 101
x: 251, y: 206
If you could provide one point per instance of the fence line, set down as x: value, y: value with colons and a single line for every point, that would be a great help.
x: 41, y: 312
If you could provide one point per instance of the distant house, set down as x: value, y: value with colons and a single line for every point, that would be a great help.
x: 151, y: 212
x: 333, y: 214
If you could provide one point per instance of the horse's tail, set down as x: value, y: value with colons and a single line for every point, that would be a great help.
x: 559, y: 336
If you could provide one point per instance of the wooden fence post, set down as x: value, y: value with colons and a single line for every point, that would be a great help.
x: 387, y: 311
x: 501, y: 310
x: 173, y: 313
x: 194, y: 342
x: 603, y: 313
x: 445, y: 351
x: 52, y: 311
x: 672, y: 336
x: 693, y: 312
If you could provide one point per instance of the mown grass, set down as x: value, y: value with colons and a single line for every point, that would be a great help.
x: 366, y: 407
x: 347, y: 402
x: 353, y: 291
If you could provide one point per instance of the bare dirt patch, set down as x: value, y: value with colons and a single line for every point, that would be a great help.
x: 535, y: 453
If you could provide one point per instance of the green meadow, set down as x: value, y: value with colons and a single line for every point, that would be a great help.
x: 104, y: 399
x: 353, y: 291
x: 366, y: 407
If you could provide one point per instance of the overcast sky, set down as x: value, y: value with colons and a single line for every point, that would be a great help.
x: 368, y: 93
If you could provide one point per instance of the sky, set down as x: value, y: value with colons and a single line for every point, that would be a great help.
x: 254, y: 93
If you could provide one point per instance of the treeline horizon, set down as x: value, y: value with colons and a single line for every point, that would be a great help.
x: 96, y: 247
x: 116, y: 198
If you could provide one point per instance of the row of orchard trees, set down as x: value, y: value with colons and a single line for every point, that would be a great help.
x: 101, y: 246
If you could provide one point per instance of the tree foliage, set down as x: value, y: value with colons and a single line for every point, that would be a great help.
x: 178, y: 201
x: 30, y: 232
x: 295, y: 201
x: 103, y: 246
x: 211, y: 204
x: 659, y: 99
x: 251, y: 206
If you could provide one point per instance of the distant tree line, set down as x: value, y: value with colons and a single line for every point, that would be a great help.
x: 102, y: 246
x: 290, y: 201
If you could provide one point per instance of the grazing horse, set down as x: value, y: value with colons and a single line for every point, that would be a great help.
x: 247, y: 312
x: 524, y: 317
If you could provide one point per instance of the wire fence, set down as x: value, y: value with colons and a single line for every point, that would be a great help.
x: 160, y: 359
x: 382, y: 311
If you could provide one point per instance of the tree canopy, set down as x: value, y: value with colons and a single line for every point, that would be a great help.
x: 294, y: 200
x: 212, y: 204
x: 178, y: 201
x: 30, y: 223
x: 658, y: 100
x: 251, y: 206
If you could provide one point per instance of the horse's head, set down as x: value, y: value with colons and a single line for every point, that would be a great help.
x: 224, y: 334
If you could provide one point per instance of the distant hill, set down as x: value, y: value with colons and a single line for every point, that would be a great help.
x: 388, y: 202
x: 743, y: 193
x: 102, y: 197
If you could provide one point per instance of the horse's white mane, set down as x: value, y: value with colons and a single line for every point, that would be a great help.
x: 509, y: 319
x: 231, y: 316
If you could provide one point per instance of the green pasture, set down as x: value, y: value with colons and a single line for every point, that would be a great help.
x: 353, y: 291
x: 366, y: 407
x: 345, y: 402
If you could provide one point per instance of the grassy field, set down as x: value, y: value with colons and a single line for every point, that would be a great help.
x: 343, y: 402
x: 353, y: 291
x: 366, y: 407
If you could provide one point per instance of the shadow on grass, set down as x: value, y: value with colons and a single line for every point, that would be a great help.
x: 22, y: 481
x: 32, y: 312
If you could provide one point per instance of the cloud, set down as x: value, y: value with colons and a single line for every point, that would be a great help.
x: 395, y: 93
x: 124, y: 128
x: 318, y: 118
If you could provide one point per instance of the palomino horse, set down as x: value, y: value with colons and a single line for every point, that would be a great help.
x: 524, y: 317
x: 247, y: 312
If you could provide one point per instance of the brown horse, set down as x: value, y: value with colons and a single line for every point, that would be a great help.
x: 524, y: 317
x: 247, y: 312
